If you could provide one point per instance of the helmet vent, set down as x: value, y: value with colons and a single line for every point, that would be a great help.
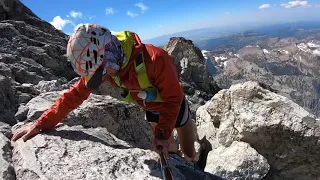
x: 88, y: 53
x: 95, y: 54
x: 88, y: 65
x: 94, y: 40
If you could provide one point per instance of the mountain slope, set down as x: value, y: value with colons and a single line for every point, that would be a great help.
x: 289, y: 65
x: 31, y: 50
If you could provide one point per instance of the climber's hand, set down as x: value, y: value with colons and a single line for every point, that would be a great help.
x: 161, y: 145
x: 26, y: 132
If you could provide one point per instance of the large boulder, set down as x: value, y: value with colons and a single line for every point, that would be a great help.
x: 276, y: 127
x: 238, y: 161
x: 117, y: 133
x: 92, y: 153
x: 126, y: 121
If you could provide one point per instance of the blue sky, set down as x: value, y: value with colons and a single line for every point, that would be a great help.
x: 152, y: 18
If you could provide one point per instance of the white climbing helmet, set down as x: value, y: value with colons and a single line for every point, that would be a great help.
x: 86, y: 48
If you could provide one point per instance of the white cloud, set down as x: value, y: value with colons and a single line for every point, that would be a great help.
x: 227, y: 13
x: 142, y: 6
x: 76, y: 14
x: 87, y: 17
x: 295, y: 4
x: 110, y: 11
x: 91, y: 17
x: 264, y: 6
x: 132, y: 14
x: 59, y: 23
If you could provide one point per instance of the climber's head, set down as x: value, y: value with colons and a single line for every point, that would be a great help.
x: 93, y: 51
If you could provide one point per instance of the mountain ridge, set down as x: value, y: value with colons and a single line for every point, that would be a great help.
x: 273, y: 30
x: 286, y: 64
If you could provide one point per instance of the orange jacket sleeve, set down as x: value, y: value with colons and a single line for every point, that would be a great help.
x: 67, y: 102
x: 168, y: 85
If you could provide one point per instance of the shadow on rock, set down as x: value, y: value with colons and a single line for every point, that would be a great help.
x: 191, y: 174
x: 155, y: 168
x: 80, y: 135
x: 204, y: 153
x: 291, y: 155
x: 180, y: 168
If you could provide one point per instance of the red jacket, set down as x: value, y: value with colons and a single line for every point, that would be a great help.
x: 162, y: 74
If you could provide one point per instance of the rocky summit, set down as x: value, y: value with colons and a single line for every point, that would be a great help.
x: 245, y: 131
x: 198, y: 84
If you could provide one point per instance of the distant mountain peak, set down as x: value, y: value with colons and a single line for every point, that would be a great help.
x: 181, y: 39
x: 178, y: 42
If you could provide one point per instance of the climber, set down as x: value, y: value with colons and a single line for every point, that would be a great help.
x: 144, y: 73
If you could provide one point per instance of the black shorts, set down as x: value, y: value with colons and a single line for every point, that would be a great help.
x: 183, y: 117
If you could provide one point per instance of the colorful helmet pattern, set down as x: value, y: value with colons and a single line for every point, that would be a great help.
x: 86, y: 48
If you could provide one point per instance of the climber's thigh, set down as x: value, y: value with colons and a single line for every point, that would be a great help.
x: 187, y: 137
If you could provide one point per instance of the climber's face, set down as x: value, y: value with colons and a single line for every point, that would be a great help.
x: 111, y: 71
